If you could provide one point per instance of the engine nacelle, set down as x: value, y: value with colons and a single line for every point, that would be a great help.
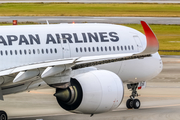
x: 92, y: 92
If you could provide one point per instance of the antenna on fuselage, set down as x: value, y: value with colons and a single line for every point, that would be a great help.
x: 47, y: 22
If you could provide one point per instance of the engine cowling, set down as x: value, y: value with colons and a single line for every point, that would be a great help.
x: 92, y: 92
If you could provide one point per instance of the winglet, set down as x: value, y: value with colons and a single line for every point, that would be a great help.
x: 152, y: 42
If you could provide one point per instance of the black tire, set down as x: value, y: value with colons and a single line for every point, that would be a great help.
x: 3, y: 115
x: 129, y: 103
x: 136, y: 104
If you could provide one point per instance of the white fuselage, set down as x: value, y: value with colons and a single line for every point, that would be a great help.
x: 25, y: 45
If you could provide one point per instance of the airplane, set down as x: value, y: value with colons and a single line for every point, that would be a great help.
x: 86, y: 63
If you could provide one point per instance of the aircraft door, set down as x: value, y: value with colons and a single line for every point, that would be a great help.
x: 138, y: 42
x: 65, y: 49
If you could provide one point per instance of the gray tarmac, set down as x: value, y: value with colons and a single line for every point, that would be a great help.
x: 70, y: 19
x: 94, y: 1
x: 159, y: 100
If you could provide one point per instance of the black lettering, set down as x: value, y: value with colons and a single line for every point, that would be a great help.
x: 2, y: 40
x: 58, y: 38
x: 11, y: 38
x: 91, y: 36
x: 76, y: 38
x: 84, y: 37
x: 23, y: 39
x: 33, y: 38
x: 50, y: 38
x: 114, y: 37
x: 103, y: 36
x: 66, y: 37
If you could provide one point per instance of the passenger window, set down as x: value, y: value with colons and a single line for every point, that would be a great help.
x: 118, y: 48
x: 38, y: 51
x: 105, y: 48
x: 55, y: 50
x: 29, y: 51
x: 122, y: 48
x: 20, y: 52
x: 129, y: 47
x: 84, y: 49
x: 89, y: 49
x: 15, y: 52
x: 11, y: 52
x: 47, y: 51
x: 114, y: 48
x: 93, y: 49
x: 81, y: 49
x: 109, y: 48
x: 132, y: 47
x: 6, y: 52
x: 51, y: 50
x: 101, y: 48
x: 42, y: 51
x: 1, y: 52
x: 76, y: 49
x: 34, y: 51
x: 25, y: 52
x: 97, y: 49
x: 125, y: 47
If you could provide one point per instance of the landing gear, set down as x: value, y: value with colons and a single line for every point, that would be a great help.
x: 132, y: 102
x: 3, y: 115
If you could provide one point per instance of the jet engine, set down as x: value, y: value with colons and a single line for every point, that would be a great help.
x: 91, y: 93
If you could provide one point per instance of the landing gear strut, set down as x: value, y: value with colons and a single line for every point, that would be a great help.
x: 3, y: 115
x: 132, y: 102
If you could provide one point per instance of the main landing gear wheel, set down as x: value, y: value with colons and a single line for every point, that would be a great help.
x: 132, y: 102
x: 3, y: 115
x: 136, y: 104
x: 129, y: 103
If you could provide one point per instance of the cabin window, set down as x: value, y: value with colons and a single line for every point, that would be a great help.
x: 34, y: 51
x: 114, y: 48
x: 132, y: 47
x: 55, y: 50
x: 42, y: 51
x: 118, y: 48
x: 125, y: 47
x: 51, y: 50
x: 11, y: 52
x: 109, y: 48
x: 84, y: 49
x: 122, y: 48
x: 101, y: 48
x: 93, y: 49
x: 29, y: 51
x: 25, y: 52
x: 15, y: 52
x: 129, y: 47
x: 38, y: 51
x: 47, y: 51
x: 97, y: 49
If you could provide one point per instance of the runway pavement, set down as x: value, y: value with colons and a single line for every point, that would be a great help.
x: 159, y: 100
x: 70, y: 19
x: 95, y: 1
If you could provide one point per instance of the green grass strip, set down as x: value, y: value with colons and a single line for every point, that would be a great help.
x: 80, y: 9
